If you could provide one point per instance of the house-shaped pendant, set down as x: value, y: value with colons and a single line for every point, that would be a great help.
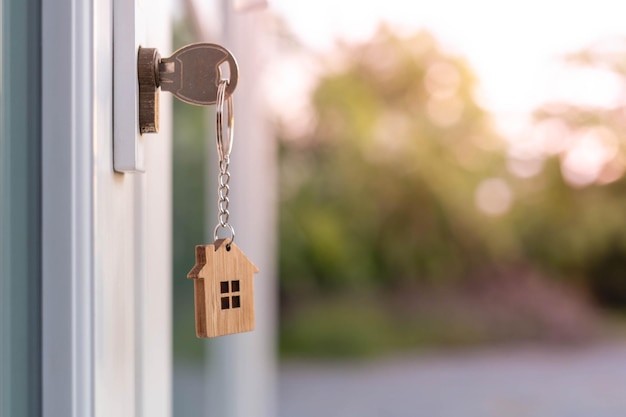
x: 223, y: 289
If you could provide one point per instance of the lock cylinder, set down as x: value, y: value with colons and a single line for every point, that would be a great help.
x: 148, y: 76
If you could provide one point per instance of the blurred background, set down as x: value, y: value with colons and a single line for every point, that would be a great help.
x: 451, y: 207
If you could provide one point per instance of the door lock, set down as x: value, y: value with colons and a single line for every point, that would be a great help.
x: 192, y: 74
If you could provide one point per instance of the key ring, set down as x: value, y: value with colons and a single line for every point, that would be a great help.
x: 225, y: 226
x: 223, y: 149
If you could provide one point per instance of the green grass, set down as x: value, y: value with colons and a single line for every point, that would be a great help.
x: 349, y: 327
x: 355, y: 326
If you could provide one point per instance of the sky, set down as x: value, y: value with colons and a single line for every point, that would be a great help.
x: 515, y: 47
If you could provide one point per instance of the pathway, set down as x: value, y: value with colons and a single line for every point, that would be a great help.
x: 531, y: 382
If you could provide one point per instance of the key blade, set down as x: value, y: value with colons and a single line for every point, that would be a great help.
x: 193, y: 73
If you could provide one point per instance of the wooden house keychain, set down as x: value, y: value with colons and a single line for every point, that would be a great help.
x: 223, y: 275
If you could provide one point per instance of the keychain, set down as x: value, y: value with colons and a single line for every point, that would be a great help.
x: 223, y: 275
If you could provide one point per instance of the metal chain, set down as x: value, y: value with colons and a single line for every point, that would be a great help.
x: 222, y: 192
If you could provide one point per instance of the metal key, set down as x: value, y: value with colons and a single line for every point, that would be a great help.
x: 193, y: 73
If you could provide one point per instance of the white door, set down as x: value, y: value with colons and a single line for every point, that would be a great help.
x: 106, y: 337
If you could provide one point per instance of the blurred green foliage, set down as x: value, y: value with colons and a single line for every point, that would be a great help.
x: 379, y: 197
x: 380, y: 192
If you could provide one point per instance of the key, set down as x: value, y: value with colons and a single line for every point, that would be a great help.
x: 194, y: 72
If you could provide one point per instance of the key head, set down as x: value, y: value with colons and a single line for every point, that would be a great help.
x: 194, y: 71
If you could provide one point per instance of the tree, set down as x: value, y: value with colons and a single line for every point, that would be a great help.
x: 380, y: 192
x: 579, y: 227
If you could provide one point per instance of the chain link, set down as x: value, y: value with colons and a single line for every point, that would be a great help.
x: 223, y: 201
x: 222, y: 192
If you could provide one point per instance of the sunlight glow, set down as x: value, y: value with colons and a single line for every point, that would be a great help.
x: 517, y: 50
x: 442, y: 80
x: 585, y: 160
x: 494, y: 196
x: 515, y: 47
x: 511, y: 44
